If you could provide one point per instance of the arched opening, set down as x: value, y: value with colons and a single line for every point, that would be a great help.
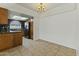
x: 15, y: 26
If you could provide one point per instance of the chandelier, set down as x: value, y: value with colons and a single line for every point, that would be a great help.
x: 41, y: 7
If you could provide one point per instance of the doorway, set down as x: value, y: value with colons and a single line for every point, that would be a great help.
x: 28, y: 29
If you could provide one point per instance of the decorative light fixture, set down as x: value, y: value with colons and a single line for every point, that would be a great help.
x: 41, y: 7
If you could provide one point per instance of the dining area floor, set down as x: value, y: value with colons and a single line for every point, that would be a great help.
x: 39, y: 48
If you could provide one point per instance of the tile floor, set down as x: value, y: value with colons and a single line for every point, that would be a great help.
x: 39, y: 48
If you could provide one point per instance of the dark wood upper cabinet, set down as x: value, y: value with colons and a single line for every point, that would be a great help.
x: 3, y: 16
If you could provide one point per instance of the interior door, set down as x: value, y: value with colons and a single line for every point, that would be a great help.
x: 31, y: 30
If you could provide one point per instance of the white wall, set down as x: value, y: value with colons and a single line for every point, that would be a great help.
x: 77, y: 29
x: 61, y: 28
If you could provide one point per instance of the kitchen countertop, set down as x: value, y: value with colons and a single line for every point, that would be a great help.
x: 7, y: 32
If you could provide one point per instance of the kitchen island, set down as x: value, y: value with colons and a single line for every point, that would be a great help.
x: 10, y: 40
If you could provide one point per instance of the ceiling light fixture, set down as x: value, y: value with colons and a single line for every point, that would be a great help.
x: 41, y: 7
x: 19, y: 18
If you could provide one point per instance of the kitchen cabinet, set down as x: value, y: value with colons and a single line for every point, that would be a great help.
x: 17, y: 39
x: 3, y: 16
x: 9, y: 40
x: 6, y: 41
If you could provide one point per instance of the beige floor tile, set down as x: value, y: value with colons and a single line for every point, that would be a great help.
x: 39, y: 48
x: 65, y: 51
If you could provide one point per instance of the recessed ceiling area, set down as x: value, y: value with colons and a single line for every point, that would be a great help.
x: 33, y: 6
x: 50, y: 8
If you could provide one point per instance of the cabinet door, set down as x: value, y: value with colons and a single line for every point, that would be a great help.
x: 6, y: 41
x: 3, y: 16
x: 17, y: 39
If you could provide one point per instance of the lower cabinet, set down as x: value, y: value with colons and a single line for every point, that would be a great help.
x: 10, y: 40
x: 17, y: 39
x: 6, y: 41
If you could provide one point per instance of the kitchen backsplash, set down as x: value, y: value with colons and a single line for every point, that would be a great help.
x: 3, y: 28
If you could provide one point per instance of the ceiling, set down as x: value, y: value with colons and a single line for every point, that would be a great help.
x: 51, y: 8
x: 18, y: 16
x: 33, y: 6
